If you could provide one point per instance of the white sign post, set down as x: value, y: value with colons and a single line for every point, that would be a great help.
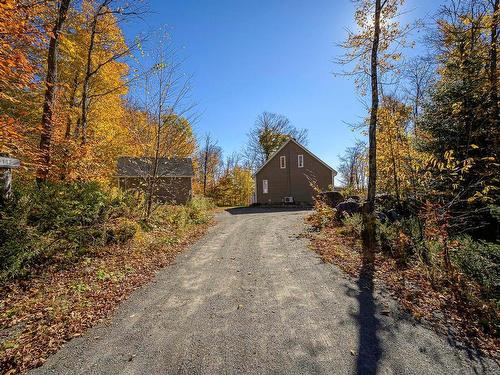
x: 9, y: 163
x: 6, y: 165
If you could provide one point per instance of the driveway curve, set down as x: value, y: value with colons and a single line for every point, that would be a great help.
x: 251, y: 298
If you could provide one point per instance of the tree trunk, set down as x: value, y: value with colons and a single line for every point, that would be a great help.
x: 415, y: 109
x: 395, y: 174
x: 71, y: 102
x: 152, y: 178
x: 493, y: 72
x: 369, y: 229
x: 50, y: 94
x: 86, y: 81
x: 205, y: 164
x: 205, y: 171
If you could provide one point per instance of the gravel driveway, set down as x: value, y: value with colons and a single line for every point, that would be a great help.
x: 251, y: 298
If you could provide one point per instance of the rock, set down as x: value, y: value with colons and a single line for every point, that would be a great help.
x: 393, y: 215
x: 348, y: 207
x: 381, y: 216
x: 357, y: 198
x: 381, y: 198
x: 331, y: 198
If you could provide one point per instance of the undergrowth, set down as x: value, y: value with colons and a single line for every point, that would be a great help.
x: 65, y: 222
x: 71, y: 253
x: 457, y: 275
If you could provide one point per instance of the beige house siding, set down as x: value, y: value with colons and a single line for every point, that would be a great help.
x: 292, y: 181
x: 175, y: 190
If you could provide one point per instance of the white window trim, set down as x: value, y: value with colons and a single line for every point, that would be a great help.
x: 300, y: 161
x: 265, y: 187
x: 283, y: 162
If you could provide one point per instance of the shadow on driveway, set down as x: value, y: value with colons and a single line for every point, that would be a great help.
x: 369, y: 351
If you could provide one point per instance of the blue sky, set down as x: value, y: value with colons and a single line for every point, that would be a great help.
x: 247, y: 57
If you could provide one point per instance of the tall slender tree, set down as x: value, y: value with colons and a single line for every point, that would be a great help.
x: 419, y: 76
x: 371, y: 50
x: 369, y: 239
x: 50, y: 93
x: 209, y: 158
x: 166, y: 93
x: 493, y: 76
x: 352, y: 168
x: 99, y: 19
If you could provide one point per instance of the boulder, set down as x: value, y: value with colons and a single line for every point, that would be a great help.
x: 348, y: 207
x: 382, y: 217
x: 331, y: 198
x: 357, y: 198
x: 393, y: 215
x: 382, y: 198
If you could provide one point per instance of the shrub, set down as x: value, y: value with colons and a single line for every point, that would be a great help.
x: 353, y: 224
x: 403, y: 240
x: 56, y: 207
x: 196, y: 211
x: 199, y: 209
x: 481, y: 262
x: 121, y: 231
x: 57, y: 221
x: 322, y: 215
x: 63, y: 221
x: 19, y: 242
x: 177, y: 216
x: 128, y: 204
x: 388, y: 235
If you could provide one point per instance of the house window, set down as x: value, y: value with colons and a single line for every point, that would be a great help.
x: 264, y: 186
x: 282, y: 162
x: 300, y: 161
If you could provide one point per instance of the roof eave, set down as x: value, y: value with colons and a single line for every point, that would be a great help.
x: 334, y: 172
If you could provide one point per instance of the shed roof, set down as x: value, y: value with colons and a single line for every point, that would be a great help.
x: 143, y: 167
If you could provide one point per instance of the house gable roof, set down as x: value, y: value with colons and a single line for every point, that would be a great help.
x: 334, y: 172
x: 143, y: 167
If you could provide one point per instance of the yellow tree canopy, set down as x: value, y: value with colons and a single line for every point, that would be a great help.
x: 177, y: 138
x: 398, y: 161
x: 107, y: 137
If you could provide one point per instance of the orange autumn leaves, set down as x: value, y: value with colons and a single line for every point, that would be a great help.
x: 17, y: 37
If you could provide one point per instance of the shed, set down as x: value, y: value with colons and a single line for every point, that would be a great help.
x: 173, y: 182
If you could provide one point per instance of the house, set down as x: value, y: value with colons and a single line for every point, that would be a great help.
x: 289, y: 174
x: 173, y: 182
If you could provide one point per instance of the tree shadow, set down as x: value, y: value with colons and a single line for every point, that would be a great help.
x: 369, y: 350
